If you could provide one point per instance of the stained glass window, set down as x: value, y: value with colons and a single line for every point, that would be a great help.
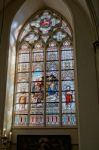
x: 45, y: 73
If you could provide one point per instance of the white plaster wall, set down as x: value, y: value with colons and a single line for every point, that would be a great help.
x: 88, y: 105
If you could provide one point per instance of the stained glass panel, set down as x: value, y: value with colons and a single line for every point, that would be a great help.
x: 21, y: 108
x: 68, y: 108
x: 52, y: 120
x: 45, y: 81
x: 37, y: 67
x: 59, y: 36
x: 69, y: 119
x: 23, y: 67
x: 68, y: 96
x: 22, y: 98
x: 37, y: 57
x: 37, y: 98
x: 37, y: 109
x: 52, y: 108
x: 22, y: 87
x: 31, y: 38
x: 66, y: 84
x: 67, y: 55
x: 21, y: 120
x: 23, y: 58
x: 52, y: 46
x: 52, y: 66
x: 66, y: 28
x: 45, y: 22
x: 67, y: 45
x: 52, y: 56
x: 24, y: 48
x: 37, y: 90
x: 25, y: 31
x: 52, y: 88
x: 38, y: 47
x: 22, y: 77
x: 45, y: 38
x: 68, y: 64
x: 67, y: 75
x: 36, y: 120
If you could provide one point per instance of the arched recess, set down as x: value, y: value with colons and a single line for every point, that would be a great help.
x: 27, y: 9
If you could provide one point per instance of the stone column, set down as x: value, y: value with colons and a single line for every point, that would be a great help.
x: 96, y: 47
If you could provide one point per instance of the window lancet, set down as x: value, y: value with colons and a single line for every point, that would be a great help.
x: 45, y: 80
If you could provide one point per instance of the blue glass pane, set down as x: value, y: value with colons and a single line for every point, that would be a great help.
x: 59, y: 36
x: 66, y: 84
x: 51, y: 56
x: 52, y: 88
x: 69, y: 119
x: 67, y: 55
x: 37, y: 73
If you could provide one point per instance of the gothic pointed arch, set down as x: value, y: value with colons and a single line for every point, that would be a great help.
x: 45, y: 80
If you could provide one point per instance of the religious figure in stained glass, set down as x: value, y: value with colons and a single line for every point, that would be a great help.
x: 45, y: 81
x: 52, y: 85
x: 22, y: 99
x: 68, y: 95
